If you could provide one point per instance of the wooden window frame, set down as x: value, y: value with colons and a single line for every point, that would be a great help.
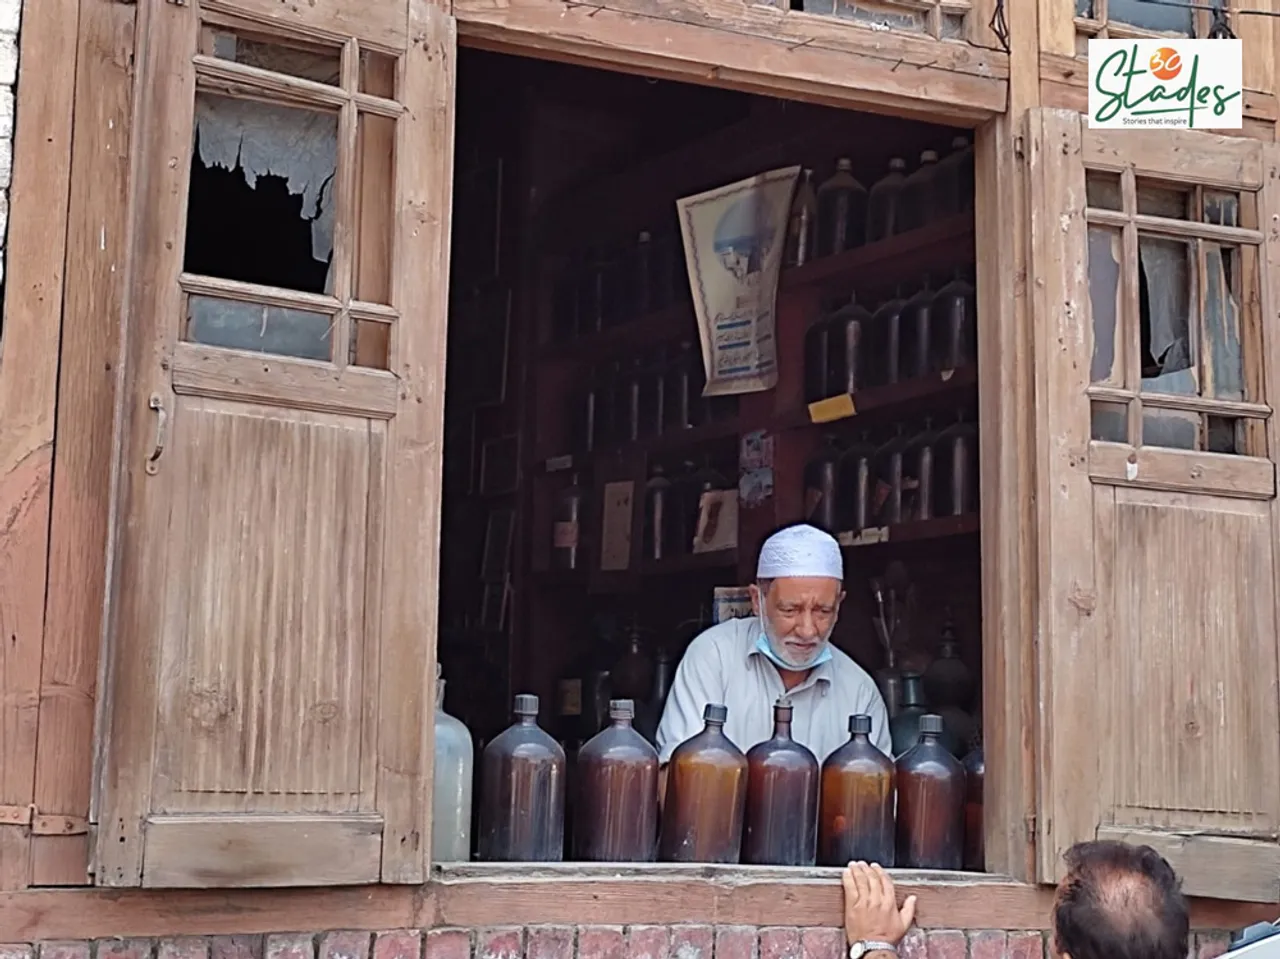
x: 1101, y: 27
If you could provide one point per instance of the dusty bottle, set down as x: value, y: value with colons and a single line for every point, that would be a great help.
x: 884, y: 202
x: 952, y: 325
x: 802, y: 226
x: 856, y: 486
x: 892, y: 481
x: 975, y: 771
x: 682, y: 390
x: 886, y: 342
x: 658, y: 516
x: 817, y: 360
x: 642, y: 277
x: 780, y: 825
x: 706, y: 796
x: 916, y: 325
x: 522, y: 792
x: 846, y: 353
x: 931, y: 794
x: 918, y: 193
x: 617, y: 809
x: 948, y: 681
x: 632, y: 674
x: 566, y: 532
x: 583, y: 415
x: 904, y: 728
x: 842, y: 211
x: 649, y: 711
x: 821, y: 482
x: 451, y: 785
x: 855, y: 818
x: 953, y: 184
x: 956, y: 475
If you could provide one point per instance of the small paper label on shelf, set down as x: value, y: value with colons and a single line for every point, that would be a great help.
x: 565, y: 535
x: 832, y: 408
x: 867, y: 537
x: 558, y: 463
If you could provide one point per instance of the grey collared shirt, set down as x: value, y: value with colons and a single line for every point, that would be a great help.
x: 722, y: 665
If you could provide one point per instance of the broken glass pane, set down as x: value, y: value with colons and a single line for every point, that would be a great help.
x: 1175, y: 429
x: 1166, y: 298
x: 321, y: 64
x: 1225, y: 434
x: 236, y: 325
x: 1223, y: 372
x: 262, y: 193
x: 1222, y: 209
x: 886, y: 17
x: 1084, y: 8
x: 1157, y: 17
x: 1110, y: 422
x: 1104, y: 297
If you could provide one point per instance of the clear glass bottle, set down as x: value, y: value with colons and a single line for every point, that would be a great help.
x: 522, y: 792
x: 919, y: 193
x: 617, y: 810
x: 842, y: 211
x: 802, y: 226
x: 706, y: 796
x: 847, y: 360
x: 566, y: 528
x: 780, y: 825
x: 884, y: 202
x: 855, y: 820
x: 931, y: 796
x: 916, y: 321
x: 632, y: 674
x: 821, y: 487
x: 451, y: 785
x: 857, y: 485
x: 953, y: 325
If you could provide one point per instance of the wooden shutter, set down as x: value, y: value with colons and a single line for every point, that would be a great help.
x: 273, y: 619
x: 1156, y: 259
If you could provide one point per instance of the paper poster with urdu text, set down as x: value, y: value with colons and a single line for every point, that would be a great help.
x: 733, y: 243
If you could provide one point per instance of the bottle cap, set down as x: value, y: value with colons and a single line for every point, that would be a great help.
x: 959, y: 143
x: 622, y: 708
x: 897, y: 163
x: 644, y: 236
x: 929, y: 156
x: 715, y: 713
x: 860, y: 723
x: 526, y: 705
x: 932, y: 724
x: 844, y: 163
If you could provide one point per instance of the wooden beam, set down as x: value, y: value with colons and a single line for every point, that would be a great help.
x: 570, y: 894
x: 92, y: 310
x: 28, y: 390
x: 754, y: 48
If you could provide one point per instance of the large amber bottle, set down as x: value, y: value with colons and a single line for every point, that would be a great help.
x: 617, y: 812
x: 780, y: 824
x: 855, y: 817
x: 522, y: 792
x: 975, y: 772
x: 706, y: 794
x: 931, y: 788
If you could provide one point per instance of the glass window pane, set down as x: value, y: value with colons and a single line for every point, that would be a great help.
x: 1221, y: 208
x: 1158, y: 17
x: 1166, y: 292
x: 1167, y: 201
x: 375, y: 189
x: 1226, y: 434
x: 1110, y: 422
x: 882, y: 16
x: 237, y: 325
x: 321, y: 64
x: 262, y: 194
x: 1175, y: 429
x: 1104, y: 301
x: 1084, y: 8
x: 1102, y: 190
x: 1223, y: 369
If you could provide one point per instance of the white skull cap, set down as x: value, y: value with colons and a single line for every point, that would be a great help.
x: 800, y: 551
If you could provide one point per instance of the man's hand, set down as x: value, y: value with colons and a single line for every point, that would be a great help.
x: 871, y: 912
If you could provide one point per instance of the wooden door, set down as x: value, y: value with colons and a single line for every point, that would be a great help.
x: 272, y: 640
x: 1156, y: 259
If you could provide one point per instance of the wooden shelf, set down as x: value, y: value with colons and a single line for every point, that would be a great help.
x: 901, y: 399
x: 667, y: 325
x: 665, y: 443
x: 692, y: 562
x: 938, y: 248
x: 940, y: 527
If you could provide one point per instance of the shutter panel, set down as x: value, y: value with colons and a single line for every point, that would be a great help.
x: 1158, y: 523
x: 274, y: 598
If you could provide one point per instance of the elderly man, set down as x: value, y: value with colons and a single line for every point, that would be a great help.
x: 784, y: 649
x: 1117, y: 902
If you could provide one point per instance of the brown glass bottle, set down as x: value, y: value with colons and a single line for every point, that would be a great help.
x: 706, y: 795
x: 617, y: 811
x: 975, y: 771
x: 855, y: 817
x: 930, y: 802
x: 780, y: 822
x: 522, y: 792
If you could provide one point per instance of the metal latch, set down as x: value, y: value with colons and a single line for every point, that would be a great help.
x: 42, y: 825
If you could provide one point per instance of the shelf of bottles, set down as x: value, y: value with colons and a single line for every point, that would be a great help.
x: 774, y: 805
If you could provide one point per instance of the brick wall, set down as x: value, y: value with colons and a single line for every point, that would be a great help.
x: 10, y: 14
x: 566, y: 942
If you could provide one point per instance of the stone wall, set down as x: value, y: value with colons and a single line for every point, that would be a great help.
x: 567, y: 942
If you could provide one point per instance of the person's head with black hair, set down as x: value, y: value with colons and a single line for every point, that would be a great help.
x: 1119, y: 902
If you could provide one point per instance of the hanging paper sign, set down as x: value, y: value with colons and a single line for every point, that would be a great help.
x: 733, y: 243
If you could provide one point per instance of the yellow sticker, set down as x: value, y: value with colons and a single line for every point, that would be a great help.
x: 832, y: 408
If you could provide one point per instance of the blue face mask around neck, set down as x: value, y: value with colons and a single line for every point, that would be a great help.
x: 765, y: 649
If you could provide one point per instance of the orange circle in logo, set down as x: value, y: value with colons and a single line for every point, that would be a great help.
x: 1166, y: 63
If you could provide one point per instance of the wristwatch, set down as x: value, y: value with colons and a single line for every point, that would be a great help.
x: 860, y: 949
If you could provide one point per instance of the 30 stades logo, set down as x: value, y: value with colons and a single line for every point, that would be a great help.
x: 1186, y: 84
